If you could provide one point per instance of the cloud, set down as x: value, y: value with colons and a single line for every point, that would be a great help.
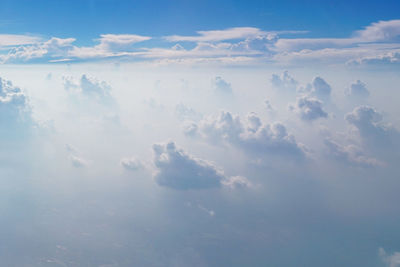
x: 132, y: 164
x: 392, y: 260
x: 186, y: 113
x: 90, y: 88
x: 357, y: 89
x: 321, y: 89
x: 178, y: 170
x: 15, y: 110
x: 222, y: 87
x: 368, y: 122
x: 111, y: 45
x: 17, y: 39
x: 284, y: 82
x: 350, y: 154
x: 51, y: 49
x: 309, y: 108
x: 376, y: 43
x: 257, y: 138
x: 221, y: 35
x: 380, y: 31
x: 78, y: 162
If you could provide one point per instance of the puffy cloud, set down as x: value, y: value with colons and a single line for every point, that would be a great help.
x: 237, y: 182
x: 190, y: 128
x: 222, y: 87
x: 391, y: 260
x: 320, y: 88
x: 178, y: 170
x: 132, y: 164
x: 15, y: 111
x: 357, y: 89
x: 78, y: 162
x: 186, y: 113
x: 263, y: 140
x: 284, y: 81
x: 309, y: 108
x: 380, y: 31
x: 350, y: 154
x: 89, y: 87
x: 54, y: 48
x: 75, y: 158
x: 368, y: 122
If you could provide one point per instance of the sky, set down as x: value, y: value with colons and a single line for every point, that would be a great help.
x: 199, y: 133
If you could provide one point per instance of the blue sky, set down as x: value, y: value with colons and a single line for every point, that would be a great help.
x: 87, y: 19
x: 199, y: 133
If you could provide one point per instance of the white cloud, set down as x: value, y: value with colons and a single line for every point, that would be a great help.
x: 53, y: 48
x: 178, y: 170
x: 391, y: 260
x: 132, y: 164
x: 17, y: 39
x: 357, y: 89
x: 379, y: 31
x: 309, y: 108
x: 256, y: 138
x: 89, y: 87
x: 284, y: 82
x: 221, y: 35
x: 78, y: 162
x: 222, y: 87
x: 15, y: 110
x: 321, y: 89
x: 350, y: 154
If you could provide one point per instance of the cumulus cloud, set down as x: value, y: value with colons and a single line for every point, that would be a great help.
x: 15, y: 110
x: 222, y: 87
x: 179, y: 170
x: 321, y: 89
x: 350, y: 154
x: 89, y: 87
x: 78, y: 162
x: 184, y: 112
x: 253, y: 137
x: 132, y: 164
x: 53, y: 49
x: 369, y: 123
x: 357, y: 89
x: 391, y: 260
x: 284, y: 81
x: 309, y: 108
x: 380, y: 31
